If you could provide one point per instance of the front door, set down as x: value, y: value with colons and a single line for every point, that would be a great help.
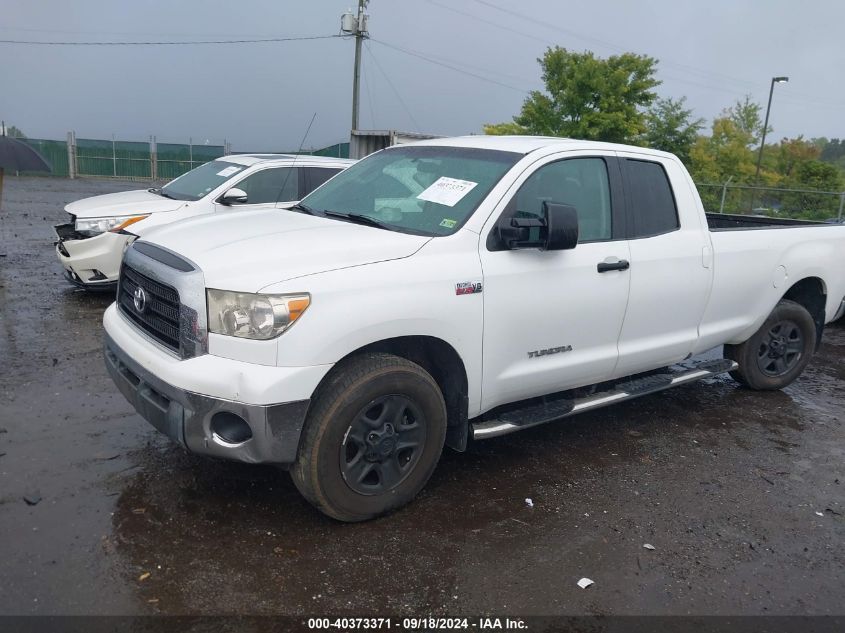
x: 551, y: 318
x: 267, y: 189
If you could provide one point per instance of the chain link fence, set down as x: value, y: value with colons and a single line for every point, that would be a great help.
x: 805, y: 204
x: 136, y: 159
x: 142, y: 160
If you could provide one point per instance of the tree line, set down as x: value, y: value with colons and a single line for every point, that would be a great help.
x: 613, y: 99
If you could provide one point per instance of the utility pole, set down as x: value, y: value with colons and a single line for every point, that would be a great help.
x: 356, y: 24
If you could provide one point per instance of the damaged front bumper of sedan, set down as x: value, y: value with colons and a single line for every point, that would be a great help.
x: 90, y: 262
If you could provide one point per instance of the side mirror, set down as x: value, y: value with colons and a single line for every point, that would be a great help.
x: 234, y: 196
x: 561, y: 226
x: 557, y: 230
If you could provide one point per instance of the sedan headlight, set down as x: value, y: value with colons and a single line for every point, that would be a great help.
x: 95, y: 226
x: 255, y: 316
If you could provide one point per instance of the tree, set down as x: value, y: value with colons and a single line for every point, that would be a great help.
x: 587, y: 97
x: 670, y: 127
x: 15, y: 132
x: 790, y: 154
x: 504, y: 129
x: 722, y: 155
x: 833, y: 150
x: 745, y: 115
x: 818, y: 175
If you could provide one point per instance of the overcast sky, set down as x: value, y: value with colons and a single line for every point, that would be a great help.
x: 262, y: 96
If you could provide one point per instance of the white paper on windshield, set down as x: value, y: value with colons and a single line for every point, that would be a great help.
x: 447, y: 191
x: 228, y: 171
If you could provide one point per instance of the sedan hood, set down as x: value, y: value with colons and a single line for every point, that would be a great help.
x: 250, y: 250
x: 137, y: 202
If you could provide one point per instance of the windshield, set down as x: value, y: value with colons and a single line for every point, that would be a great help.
x: 198, y: 182
x: 415, y: 189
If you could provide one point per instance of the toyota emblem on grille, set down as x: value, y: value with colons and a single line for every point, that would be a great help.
x: 139, y: 298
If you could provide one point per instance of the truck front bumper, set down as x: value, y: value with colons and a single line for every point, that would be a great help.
x: 207, y: 425
x: 92, y: 263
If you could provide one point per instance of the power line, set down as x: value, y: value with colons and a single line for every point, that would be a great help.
x: 430, y: 60
x: 491, y: 23
x: 392, y: 87
x: 485, y: 21
x: 366, y: 80
x: 548, y: 42
x: 610, y: 45
x: 173, y: 43
x: 702, y: 74
x: 137, y: 34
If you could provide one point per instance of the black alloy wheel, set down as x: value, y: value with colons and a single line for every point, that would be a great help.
x: 383, y: 444
x: 780, y: 348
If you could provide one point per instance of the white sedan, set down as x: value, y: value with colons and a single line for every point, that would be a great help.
x: 91, y: 245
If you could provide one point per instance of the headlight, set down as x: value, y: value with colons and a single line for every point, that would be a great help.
x: 254, y: 316
x: 95, y: 226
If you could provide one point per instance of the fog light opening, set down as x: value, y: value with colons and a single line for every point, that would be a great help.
x: 229, y: 430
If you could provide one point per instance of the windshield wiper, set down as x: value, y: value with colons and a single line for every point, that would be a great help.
x: 302, y: 208
x: 159, y: 191
x: 359, y: 218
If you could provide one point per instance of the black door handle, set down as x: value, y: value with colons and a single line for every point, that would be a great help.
x: 622, y: 264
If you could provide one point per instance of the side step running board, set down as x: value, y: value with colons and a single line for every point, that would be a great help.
x: 551, y: 410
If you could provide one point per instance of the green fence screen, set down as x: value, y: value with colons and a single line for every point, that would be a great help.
x: 133, y: 159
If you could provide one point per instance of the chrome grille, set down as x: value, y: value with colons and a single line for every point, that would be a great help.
x: 160, y: 315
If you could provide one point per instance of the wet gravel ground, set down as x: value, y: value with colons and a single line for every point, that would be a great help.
x: 741, y: 494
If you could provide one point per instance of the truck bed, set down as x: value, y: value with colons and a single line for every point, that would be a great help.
x: 732, y: 222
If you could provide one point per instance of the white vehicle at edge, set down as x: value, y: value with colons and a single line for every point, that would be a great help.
x: 454, y: 289
x: 91, y: 245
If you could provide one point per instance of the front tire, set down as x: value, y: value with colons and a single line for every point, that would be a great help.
x: 778, y: 352
x: 372, y: 438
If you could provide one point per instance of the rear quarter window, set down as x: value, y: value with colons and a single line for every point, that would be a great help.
x: 651, y: 202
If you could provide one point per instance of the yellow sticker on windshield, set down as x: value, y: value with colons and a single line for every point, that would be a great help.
x: 449, y: 224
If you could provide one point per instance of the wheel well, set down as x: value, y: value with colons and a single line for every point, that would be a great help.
x: 811, y: 294
x: 444, y: 364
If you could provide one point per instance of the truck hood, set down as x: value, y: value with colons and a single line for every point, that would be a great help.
x: 136, y: 202
x: 250, y: 250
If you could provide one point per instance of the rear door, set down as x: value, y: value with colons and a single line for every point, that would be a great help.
x: 670, y: 274
x: 551, y: 319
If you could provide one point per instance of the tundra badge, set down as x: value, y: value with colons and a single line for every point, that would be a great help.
x: 551, y: 350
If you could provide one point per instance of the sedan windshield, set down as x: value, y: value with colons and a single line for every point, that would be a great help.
x: 198, y: 182
x: 424, y: 190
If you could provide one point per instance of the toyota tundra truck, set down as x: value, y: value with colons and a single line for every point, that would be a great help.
x: 449, y: 291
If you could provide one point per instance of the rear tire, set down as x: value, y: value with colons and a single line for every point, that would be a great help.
x: 778, y: 352
x: 372, y: 438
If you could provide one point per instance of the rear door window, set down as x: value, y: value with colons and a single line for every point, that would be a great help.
x: 651, y: 203
x: 317, y: 176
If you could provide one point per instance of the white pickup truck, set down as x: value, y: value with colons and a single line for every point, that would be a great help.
x: 454, y: 289
x: 90, y: 246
